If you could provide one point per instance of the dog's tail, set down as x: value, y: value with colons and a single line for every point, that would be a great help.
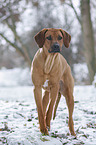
x: 56, y: 105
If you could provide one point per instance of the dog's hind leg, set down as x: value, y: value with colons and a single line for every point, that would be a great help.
x: 61, y: 91
x: 45, y: 101
x: 56, y: 104
x: 53, y: 94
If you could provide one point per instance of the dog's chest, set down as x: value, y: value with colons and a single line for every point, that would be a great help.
x: 51, y: 61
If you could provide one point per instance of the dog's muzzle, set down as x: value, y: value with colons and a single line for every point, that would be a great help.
x: 55, y: 48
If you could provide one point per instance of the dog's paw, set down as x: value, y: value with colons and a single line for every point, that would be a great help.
x: 44, y: 131
x: 73, y: 134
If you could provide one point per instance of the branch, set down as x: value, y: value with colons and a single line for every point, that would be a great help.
x: 18, y: 38
x: 3, y: 18
x: 72, y: 6
x: 13, y: 45
x: 12, y: 27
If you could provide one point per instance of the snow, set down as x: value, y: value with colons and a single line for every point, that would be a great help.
x: 15, y: 77
x: 80, y: 72
x: 94, y: 82
x: 19, y: 119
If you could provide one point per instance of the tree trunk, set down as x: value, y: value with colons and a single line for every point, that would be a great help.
x: 88, y: 38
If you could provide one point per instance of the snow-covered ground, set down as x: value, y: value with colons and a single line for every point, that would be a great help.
x: 19, y: 119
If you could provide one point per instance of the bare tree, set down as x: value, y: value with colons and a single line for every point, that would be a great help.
x: 87, y: 33
x: 9, y: 15
x: 88, y: 38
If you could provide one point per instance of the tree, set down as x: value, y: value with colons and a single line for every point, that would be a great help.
x: 88, y: 38
x: 9, y: 15
x: 87, y: 33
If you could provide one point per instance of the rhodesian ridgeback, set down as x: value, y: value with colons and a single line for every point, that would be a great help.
x: 48, y: 64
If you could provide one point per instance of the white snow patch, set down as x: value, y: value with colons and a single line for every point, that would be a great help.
x: 15, y: 77
x: 80, y: 72
x: 94, y: 82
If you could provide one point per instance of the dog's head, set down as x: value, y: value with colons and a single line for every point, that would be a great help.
x: 52, y: 39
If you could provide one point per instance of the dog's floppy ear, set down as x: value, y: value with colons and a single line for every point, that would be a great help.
x: 66, y: 38
x: 40, y: 37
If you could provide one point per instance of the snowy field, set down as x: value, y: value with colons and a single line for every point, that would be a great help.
x: 19, y: 119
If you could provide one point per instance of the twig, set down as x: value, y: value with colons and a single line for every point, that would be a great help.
x: 72, y: 6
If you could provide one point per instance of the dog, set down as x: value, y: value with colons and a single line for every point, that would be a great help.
x: 48, y: 64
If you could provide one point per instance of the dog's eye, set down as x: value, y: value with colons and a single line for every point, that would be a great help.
x: 49, y: 37
x: 59, y: 37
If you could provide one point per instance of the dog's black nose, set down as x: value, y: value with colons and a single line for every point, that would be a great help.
x: 56, y: 46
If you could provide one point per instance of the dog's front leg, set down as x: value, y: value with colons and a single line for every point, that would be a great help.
x: 53, y: 95
x: 38, y: 99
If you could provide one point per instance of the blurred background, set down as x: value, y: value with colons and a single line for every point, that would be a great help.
x: 20, y: 20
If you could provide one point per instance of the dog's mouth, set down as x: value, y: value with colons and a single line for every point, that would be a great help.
x: 54, y: 51
x: 55, y: 48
